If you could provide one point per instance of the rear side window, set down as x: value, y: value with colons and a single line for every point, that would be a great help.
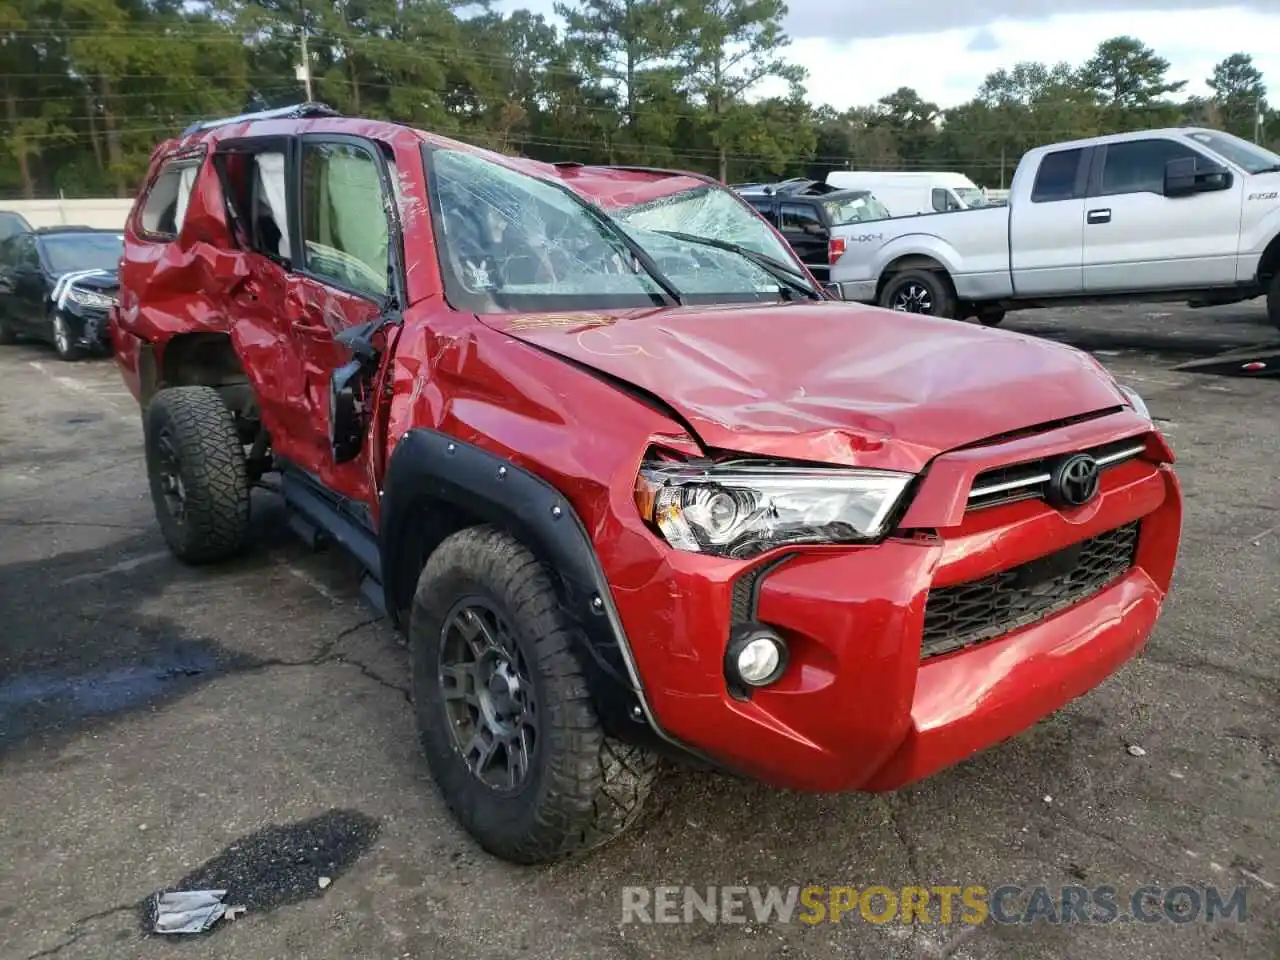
x: 165, y: 206
x: 12, y: 224
x: 802, y: 217
x: 1056, y: 178
x: 764, y: 207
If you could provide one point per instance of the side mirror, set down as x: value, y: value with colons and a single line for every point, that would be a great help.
x: 347, y: 411
x: 833, y: 290
x: 1187, y: 176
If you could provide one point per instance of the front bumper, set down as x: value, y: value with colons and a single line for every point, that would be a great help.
x: 858, y: 708
x: 859, y: 291
x: 90, y: 328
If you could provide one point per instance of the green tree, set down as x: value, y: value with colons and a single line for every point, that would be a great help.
x: 616, y: 41
x: 727, y: 49
x: 1131, y: 84
x: 1239, y: 93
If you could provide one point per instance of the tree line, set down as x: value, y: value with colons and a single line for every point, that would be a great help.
x: 89, y: 87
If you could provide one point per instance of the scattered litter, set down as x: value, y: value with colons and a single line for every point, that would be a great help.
x: 1048, y: 799
x: 188, y: 911
x: 142, y: 827
x: 1136, y: 751
x: 277, y: 865
x: 1177, y: 775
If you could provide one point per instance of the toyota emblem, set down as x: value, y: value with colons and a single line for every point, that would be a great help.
x: 1074, y: 482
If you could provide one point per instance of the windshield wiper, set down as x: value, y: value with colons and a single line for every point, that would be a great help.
x: 1274, y: 168
x: 775, y: 268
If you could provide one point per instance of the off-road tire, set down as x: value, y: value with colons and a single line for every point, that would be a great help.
x: 583, y: 788
x: 942, y: 295
x: 214, y: 524
x: 1273, y: 300
x: 7, y: 336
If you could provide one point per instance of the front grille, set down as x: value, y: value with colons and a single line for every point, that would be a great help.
x: 969, y: 613
x: 1027, y: 480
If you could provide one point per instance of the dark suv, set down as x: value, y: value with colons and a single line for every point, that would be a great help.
x: 805, y: 211
x: 629, y: 481
x: 57, y: 284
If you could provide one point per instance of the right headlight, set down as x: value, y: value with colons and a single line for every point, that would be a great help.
x: 90, y: 298
x: 739, y: 510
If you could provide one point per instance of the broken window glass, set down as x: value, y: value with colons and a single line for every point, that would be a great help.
x: 513, y: 242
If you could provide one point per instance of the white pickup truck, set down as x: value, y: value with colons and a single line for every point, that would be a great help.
x: 1182, y: 214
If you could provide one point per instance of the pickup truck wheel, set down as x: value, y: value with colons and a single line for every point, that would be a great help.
x: 197, y: 471
x: 991, y: 318
x: 1273, y: 300
x: 503, y: 709
x: 919, y: 291
x: 7, y: 336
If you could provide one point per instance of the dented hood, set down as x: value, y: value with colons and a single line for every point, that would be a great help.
x: 829, y: 382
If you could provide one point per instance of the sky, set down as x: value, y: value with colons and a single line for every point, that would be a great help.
x: 857, y: 51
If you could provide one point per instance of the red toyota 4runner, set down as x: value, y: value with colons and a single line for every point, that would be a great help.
x: 629, y: 480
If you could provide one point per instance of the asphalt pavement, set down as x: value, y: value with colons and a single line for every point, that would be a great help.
x: 249, y: 725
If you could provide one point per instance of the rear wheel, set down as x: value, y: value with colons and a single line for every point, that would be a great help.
x: 1273, y: 300
x: 919, y: 291
x: 196, y: 467
x: 991, y: 318
x: 503, y: 708
x: 7, y: 336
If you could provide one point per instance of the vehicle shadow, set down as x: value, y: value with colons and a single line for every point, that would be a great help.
x: 1170, y: 334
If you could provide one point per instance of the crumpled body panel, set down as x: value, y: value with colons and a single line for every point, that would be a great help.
x: 832, y: 382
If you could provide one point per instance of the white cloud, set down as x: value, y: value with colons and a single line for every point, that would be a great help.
x: 942, y: 68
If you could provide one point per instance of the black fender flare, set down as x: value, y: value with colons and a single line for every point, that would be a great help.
x: 433, y: 470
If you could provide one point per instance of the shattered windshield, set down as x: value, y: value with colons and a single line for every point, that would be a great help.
x: 707, y: 212
x: 512, y: 242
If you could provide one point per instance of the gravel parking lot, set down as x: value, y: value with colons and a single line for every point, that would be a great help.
x: 153, y: 717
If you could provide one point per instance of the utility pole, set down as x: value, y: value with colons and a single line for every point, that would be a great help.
x: 303, y: 70
x: 1257, y: 121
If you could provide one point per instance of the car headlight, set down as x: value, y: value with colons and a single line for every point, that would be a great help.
x: 1139, y: 405
x: 90, y: 298
x: 739, y: 510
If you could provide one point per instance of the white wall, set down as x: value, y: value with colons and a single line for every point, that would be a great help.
x: 108, y: 213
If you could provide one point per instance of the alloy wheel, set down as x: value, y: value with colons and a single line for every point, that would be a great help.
x: 169, y: 469
x: 913, y: 297
x: 61, y: 335
x: 488, y: 695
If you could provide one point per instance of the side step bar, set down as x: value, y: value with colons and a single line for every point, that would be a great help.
x: 316, y: 516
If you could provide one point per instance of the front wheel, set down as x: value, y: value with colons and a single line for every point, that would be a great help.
x: 63, y: 342
x: 196, y: 466
x: 503, y: 708
x: 919, y: 291
x: 7, y: 336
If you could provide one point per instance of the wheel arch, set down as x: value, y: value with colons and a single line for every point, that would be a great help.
x: 199, y: 359
x: 912, y: 261
x: 436, y: 485
x: 1269, y: 263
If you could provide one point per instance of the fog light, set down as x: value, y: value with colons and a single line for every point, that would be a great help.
x: 756, y: 656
